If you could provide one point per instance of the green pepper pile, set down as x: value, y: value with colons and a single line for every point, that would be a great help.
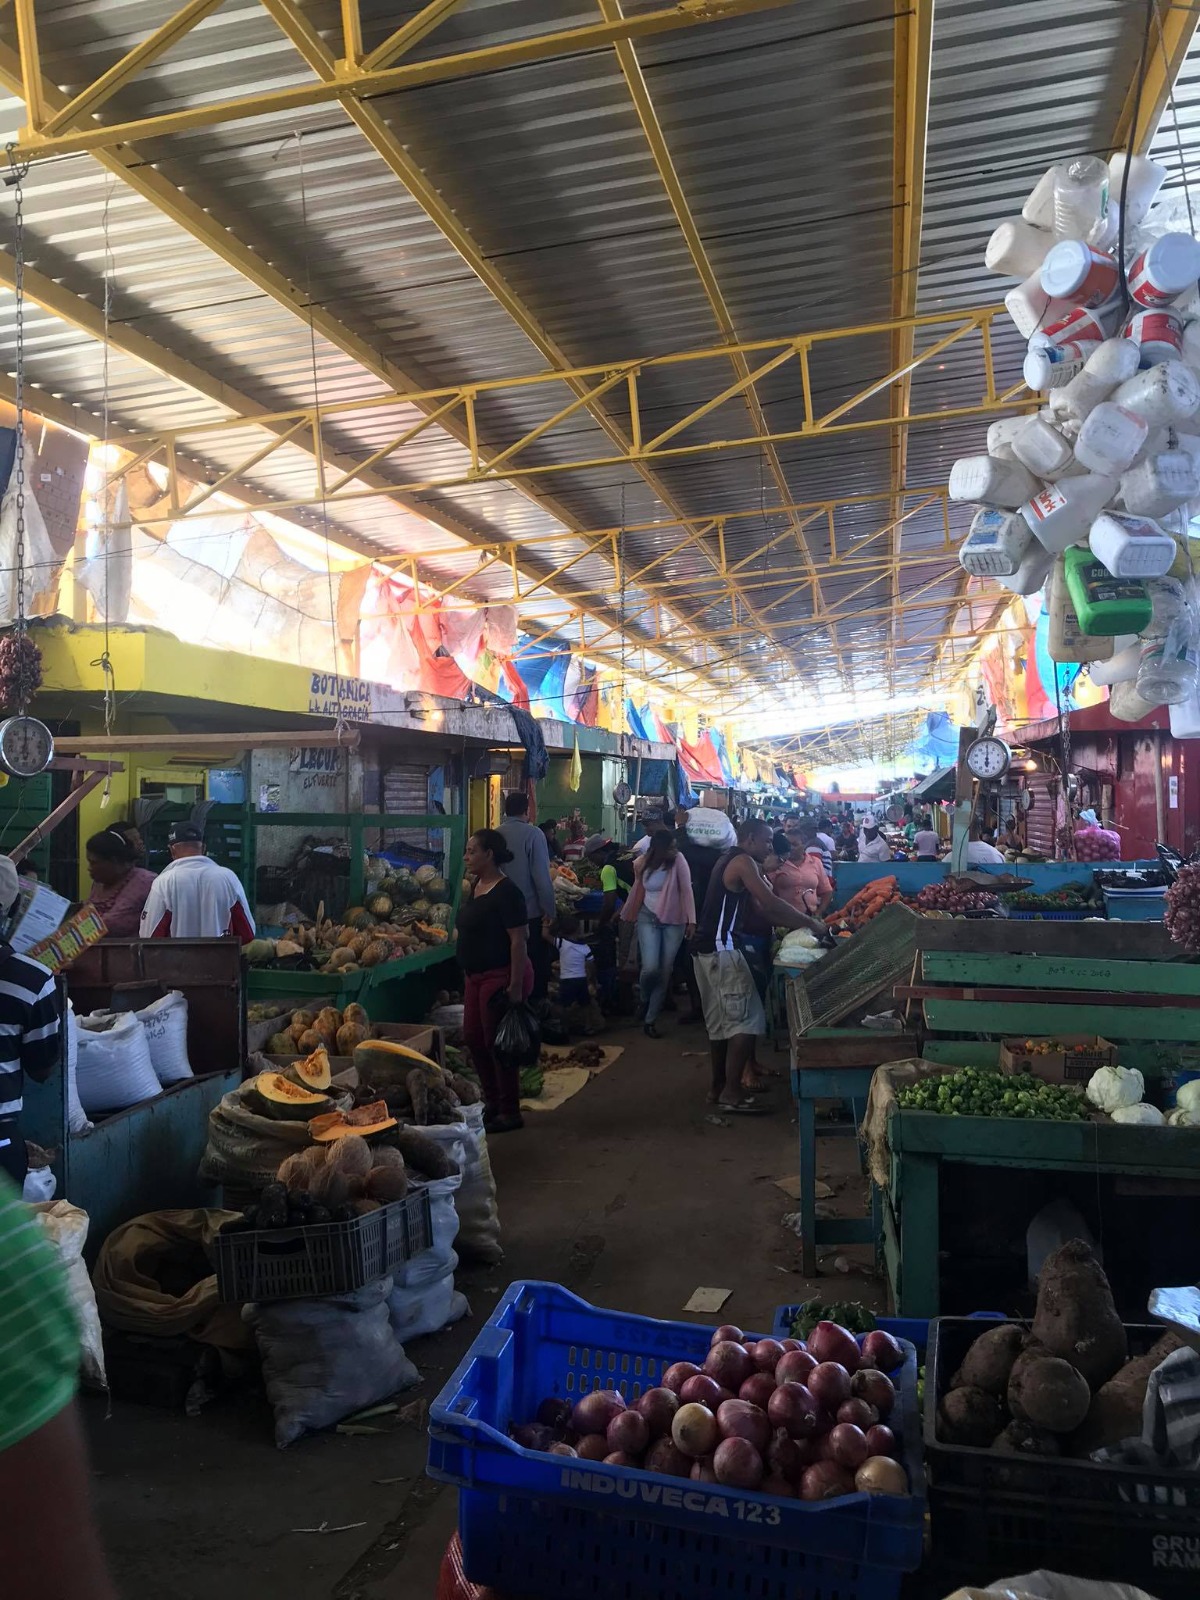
x: 974, y: 1092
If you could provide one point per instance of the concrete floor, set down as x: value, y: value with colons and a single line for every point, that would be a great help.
x: 627, y: 1194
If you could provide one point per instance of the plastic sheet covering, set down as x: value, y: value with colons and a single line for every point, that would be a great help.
x: 1051, y: 1586
x: 106, y: 571
x: 41, y: 564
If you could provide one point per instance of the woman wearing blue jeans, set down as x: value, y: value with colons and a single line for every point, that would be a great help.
x: 662, y: 906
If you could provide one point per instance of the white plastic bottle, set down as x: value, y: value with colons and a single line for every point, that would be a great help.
x: 996, y: 544
x: 990, y: 482
x: 1127, y: 705
x: 1041, y: 448
x: 1160, y: 484
x: 1145, y: 180
x: 1168, y: 670
x: 1122, y: 666
x: 1079, y: 273
x: 1061, y: 514
x: 1185, y: 718
x: 1039, y: 208
x: 1081, y: 198
x: 1000, y: 436
x: 1131, y: 547
x: 1165, y: 395
x: 1032, y: 573
x: 1066, y: 640
x: 1109, y: 364
x: 1110, y: 438
x: 1164, y: 270
x: 1030, y: 306
x: 1016, y: 249
x: 1170, y: 602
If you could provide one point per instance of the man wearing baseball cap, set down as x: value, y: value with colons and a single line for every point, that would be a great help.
x: 29, y: 1031
x: 194, y: 897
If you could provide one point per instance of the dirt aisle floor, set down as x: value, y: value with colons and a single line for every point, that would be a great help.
x: 627, y: 1194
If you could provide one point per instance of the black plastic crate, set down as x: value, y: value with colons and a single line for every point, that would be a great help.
x: 994, y: 1514
x: 323, y: 1257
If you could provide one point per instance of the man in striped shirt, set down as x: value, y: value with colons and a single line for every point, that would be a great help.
x: 29, y: 1031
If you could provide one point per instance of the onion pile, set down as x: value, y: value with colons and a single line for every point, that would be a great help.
x: 942, y: 897
x: 804, y: 1421
x: 1182, y: 915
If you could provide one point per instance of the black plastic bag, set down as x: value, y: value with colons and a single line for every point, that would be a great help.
x: 518, y: 1041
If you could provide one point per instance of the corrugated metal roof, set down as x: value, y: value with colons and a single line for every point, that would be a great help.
x: 780, y: 126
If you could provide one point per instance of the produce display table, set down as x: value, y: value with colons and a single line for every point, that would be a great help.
x: 922, y: 1141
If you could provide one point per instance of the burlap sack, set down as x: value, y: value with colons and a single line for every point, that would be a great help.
x: 244, y: 1150
x: 885, y: 1081
x: 151, y: 1277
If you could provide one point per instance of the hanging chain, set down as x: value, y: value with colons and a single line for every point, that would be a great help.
x: 17, y: 175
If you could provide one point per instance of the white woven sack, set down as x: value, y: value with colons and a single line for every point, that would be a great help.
x: 77, y: 1120
x: 709, y: 827
x: 166, y: 1023
x: 478, y: 1213
x: 114, y: 1068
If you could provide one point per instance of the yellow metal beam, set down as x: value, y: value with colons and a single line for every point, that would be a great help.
x: 358, y: 80
x: 1172, y: 29
x: 411, y: 34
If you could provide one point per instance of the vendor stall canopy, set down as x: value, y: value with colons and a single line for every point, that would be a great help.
x: 662, y: 322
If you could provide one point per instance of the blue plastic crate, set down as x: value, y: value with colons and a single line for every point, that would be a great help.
x: 914, y: 1329
x: 578, y: 1530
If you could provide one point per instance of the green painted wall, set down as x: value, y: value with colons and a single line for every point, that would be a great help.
x: 555, y: 797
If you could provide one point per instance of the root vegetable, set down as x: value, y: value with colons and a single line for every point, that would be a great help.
x: 1115, y: 1412
x: 825, y: 1480
x: 1048, y: 1392
x: 969, y: 1416
x: 738, y: 1419
x: 881, y: 1441
x: 677, y: 1375
x: 1075, y: 1317
x: 695, y: 1431
x: 881, y: 1475
x: 738, y: 1464
x: 629, y: 1432
x: 830, y: 1342
x: 848, y: 1445
x: 794, y: 1409
x: 858, y: 1412
x: 767, y: 1354
x: 829, y: 1383
x: 729, y: 1364
x: 785, y: 1457
x: 791, y: 1344
x: 595, y: 1411
x: 658, y: 1406
x: 553, y: 1412
x: 533, y: 1436
x: 758, y: 1389
x: 794, y: 1366
x: 727, y: 1330
x: 880, y: 1349
x: 1019, y: 1439
x: 558, y: 1448
x: 704, y: 1391
x: 666, y: 1457
x: 592, y: 1447
x: 989, y: 1362
x: 876, y: 1388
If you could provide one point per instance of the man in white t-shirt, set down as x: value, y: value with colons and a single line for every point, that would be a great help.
x: 872, y: 846
x: 982, y: 852
x: 195, y: 897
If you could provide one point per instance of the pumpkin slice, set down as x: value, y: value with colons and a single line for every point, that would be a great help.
x: 379, y: 1060
x: 363, y: 1120
x: 277, y: 1096
x: 313, y: 1072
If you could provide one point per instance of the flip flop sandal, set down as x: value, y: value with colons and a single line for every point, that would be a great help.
x: 744, y: 1108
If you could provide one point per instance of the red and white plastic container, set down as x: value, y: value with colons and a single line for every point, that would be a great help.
x: 1079, y: 273
x: 1061, y: 514
x: 1058, y: 351
x: 1030, y: 306
x: 1164, y: 270
x: 1157, y: 334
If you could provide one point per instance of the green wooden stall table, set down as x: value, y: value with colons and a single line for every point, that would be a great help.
x: 921, y: 1141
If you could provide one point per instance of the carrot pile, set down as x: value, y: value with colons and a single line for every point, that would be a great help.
x: 867, y: 903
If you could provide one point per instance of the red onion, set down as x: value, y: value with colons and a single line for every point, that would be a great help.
x: 881, y: 1441
x: 794, y: 1367
x: 664, y: 1456
x: 767, y: 1354
x: 830, y: 1384
x: 876, y: 1388
x: 729, y: 1364
x: 879, y: 1475
x: 848, y: 1445
x: 774, y: 1484
x: 622, y: 1458
x: 784, y: 1456
x: 592, y: 1447
x: 880, y: 1349
x: 829, y: 1341
x: 555, y: 1413
x: 702, y: 1470
x: 825, y: 1480
x: 695, y: 1430
x: 595, y: 1411
x: 737, y: 1463
x: 532, y: 1436
x: 727, y: 1330
x: 702, y: 1390
x: 658, y: 1406
x: 738, y: 1419
x: 793, y: 1408
x: 628, y: 1432
x: 676, y: 1376
x: 560, y: 1449
x: 858, y: 1412
x: 792, y: 1344
x: 758, y: 1389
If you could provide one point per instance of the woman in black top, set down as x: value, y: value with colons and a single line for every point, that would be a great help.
x: 492, y: 930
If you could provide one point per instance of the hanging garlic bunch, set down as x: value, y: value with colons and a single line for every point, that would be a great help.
x: 20, y: 671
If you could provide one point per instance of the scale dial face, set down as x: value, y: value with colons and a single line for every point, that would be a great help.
x: 988, y: 759
x: 26, y: 746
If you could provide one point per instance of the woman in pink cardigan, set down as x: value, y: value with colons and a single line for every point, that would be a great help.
x: 662, y: 906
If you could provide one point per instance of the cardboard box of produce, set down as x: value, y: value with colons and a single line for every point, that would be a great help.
x: 1068, y: 1058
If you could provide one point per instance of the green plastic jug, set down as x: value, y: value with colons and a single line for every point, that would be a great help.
x: 1104, y: 605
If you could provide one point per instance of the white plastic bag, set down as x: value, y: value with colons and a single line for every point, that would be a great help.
x: 712, y: 828
x: 66, y: 1226
x: 114, y: 1068
x: 77, y: 1120
x: 324, y: 1359
x: 166, y: 1022
x: 38, y: 1186
x: 478, y: 1214
x: 423, y: 1297
x: 1052, y: 1586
